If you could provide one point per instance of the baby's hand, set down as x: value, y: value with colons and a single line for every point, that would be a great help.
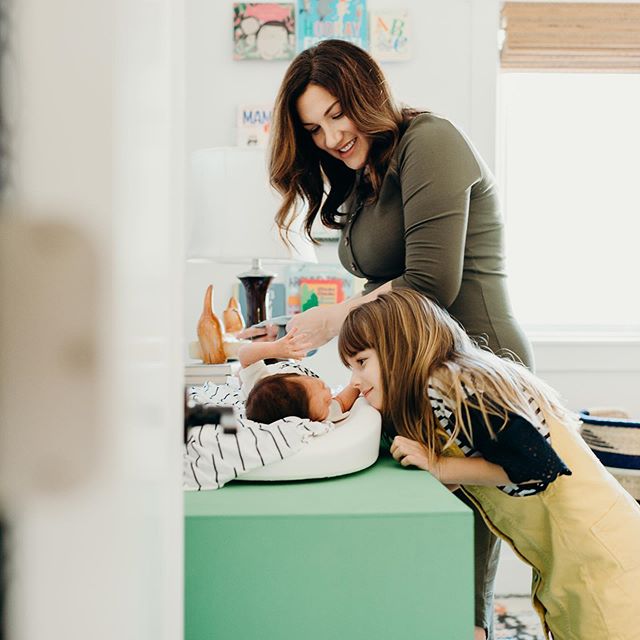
x: 294, y: 345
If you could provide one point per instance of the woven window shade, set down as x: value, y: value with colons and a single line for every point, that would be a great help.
x: 554, y: 36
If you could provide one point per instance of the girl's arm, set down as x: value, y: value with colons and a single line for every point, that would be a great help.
x: 448, y: 470
x: 294, y: 345
x: 463, y: 471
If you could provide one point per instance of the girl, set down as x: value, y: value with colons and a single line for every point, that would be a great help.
x: 486, y: 423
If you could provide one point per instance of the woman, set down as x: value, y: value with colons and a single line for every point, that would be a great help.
x: 416, y: 205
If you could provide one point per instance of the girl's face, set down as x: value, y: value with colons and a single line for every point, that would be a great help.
x: 321, y: 115
x: 365, y: 376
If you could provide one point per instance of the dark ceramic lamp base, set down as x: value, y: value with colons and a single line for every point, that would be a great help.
x: 256, y: 287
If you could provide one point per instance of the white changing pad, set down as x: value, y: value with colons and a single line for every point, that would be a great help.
x: 353, y: 445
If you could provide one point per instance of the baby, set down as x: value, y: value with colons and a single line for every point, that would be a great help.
x: 272, y: 396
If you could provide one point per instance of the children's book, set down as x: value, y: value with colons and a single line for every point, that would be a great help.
x: 318, y: 291
x: 253, y: 125
x: 390, y: 35
x: 263, y: 31
x: 322, y: 19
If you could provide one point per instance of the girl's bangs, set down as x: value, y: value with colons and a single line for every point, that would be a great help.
x: 353, y: 339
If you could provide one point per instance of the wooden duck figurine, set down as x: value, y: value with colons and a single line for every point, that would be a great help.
x: 232, y: 317
x: 210, y: 332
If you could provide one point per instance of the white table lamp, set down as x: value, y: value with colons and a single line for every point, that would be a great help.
x: 232, y: 220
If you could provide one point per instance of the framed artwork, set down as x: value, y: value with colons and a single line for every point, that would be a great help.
x: 322, y: 19
x: 390, y: 35
x: 253, y: 125
x: 310, y: 285
x: 263, y: 31
x: 318, y: 291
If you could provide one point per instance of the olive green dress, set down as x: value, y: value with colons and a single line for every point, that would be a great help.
x: 437, y: 228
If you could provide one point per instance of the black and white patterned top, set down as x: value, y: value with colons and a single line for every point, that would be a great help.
x: 521, y: 448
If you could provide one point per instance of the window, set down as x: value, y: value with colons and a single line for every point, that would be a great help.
x: 570, y: 170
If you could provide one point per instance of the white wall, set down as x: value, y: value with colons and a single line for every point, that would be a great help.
x: 453, y: 44
x: 452, y: 72
x: 96, y: 135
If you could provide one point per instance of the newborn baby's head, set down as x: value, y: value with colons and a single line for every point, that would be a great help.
x: 288, y: 394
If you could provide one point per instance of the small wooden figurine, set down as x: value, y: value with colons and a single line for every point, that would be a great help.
x: 210, y: 332
x: 232, y: 317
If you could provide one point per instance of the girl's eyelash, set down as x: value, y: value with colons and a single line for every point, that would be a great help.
x: 337, y: 115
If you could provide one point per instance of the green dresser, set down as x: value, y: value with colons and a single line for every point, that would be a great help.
x: 385, y: 553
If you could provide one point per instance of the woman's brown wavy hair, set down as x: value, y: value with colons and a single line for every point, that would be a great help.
x: 418, y: 343
x: 298, y: 168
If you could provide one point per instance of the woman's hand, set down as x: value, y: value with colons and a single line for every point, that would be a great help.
x: 412, y: 453
x: 323, y: 323
x: 319, y: 323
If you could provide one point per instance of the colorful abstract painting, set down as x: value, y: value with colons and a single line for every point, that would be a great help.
x: 263, y: 31
x: 390, y: 35
x: 322, y: 19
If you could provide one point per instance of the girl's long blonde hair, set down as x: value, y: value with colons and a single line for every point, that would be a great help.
x: 416, y: 341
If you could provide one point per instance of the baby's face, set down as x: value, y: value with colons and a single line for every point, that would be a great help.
x: 319, y: 396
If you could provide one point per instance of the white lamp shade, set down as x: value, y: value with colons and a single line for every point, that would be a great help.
x: 234, y: 207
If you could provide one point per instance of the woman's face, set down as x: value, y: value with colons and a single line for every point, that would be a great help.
x: 365, y: 376
x: 321, y: 115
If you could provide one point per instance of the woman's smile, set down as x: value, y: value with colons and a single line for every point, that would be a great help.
x: 330, y: 129
x: 348, y: 147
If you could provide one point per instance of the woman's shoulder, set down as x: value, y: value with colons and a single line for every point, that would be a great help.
x: 437, y: 143
x: 429, y: 126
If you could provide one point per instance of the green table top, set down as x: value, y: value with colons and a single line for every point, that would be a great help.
x: 385, y: 489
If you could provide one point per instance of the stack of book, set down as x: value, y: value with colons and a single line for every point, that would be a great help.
x: 199, y: 373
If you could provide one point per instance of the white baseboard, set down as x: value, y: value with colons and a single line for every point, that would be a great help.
x: 514, y: 576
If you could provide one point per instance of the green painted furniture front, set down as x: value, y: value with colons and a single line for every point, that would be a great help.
x: 384, y: 553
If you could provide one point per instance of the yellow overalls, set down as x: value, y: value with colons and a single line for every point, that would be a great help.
x: 581, y: 536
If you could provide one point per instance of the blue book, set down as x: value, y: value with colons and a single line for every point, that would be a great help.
x: 323, y: 19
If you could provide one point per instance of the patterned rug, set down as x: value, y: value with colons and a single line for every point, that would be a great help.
x: 515, y: 619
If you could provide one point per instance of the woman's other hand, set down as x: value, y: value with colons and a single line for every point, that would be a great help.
x: 268, y: 333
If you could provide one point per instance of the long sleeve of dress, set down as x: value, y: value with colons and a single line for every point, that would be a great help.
x: 436, y: 169
x: 436, y: 227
